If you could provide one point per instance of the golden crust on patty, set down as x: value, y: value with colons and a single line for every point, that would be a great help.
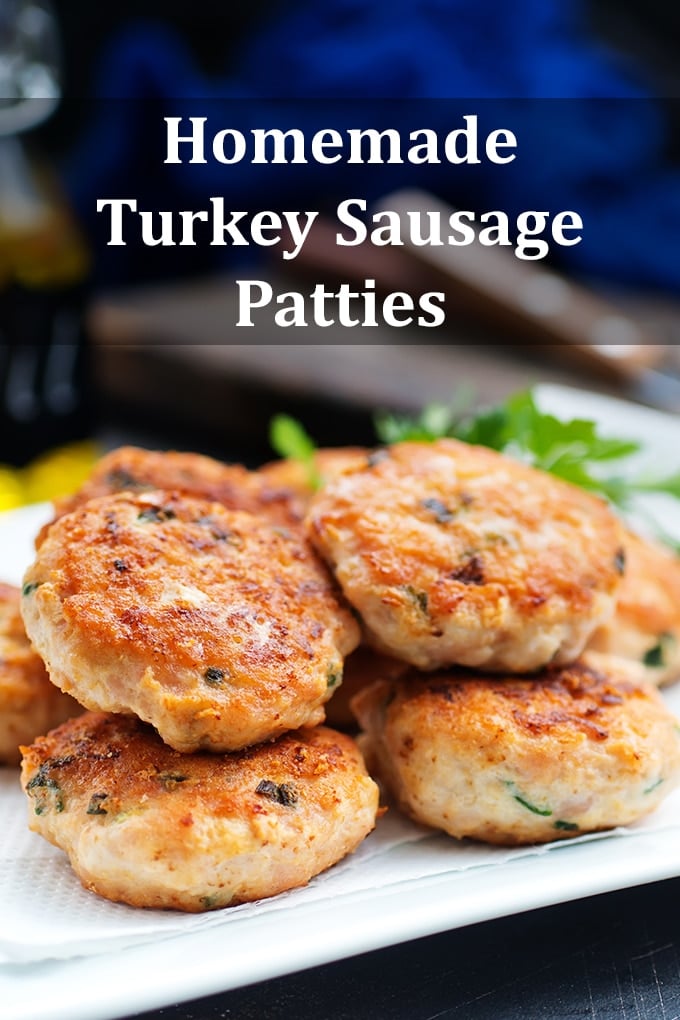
x: 456, y: 554
x: 515, y: 760
x: 206, y: 622
x: 145, y: 825
x: 29, y: 703
x: 645, y: 627
x: 131, y: 469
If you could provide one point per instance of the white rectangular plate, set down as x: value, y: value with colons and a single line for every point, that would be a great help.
x: 240, y: 947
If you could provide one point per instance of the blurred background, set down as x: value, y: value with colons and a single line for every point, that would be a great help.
x: 139, y: 345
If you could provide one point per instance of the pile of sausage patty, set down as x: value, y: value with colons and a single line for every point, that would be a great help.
x: 473, y: 615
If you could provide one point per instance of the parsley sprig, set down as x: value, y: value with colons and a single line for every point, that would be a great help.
x: 289, y: 439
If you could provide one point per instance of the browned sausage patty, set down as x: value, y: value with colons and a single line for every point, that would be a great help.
x: 515, y: 760
x: 206, y: 622
x: 454, y: 553
x: 145, y: 825
x: 29, y: 703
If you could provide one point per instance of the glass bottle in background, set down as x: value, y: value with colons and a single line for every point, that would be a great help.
x: 44, y: 262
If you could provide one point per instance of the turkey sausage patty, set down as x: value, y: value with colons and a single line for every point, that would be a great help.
x: 517, y: 760
x: 206, y: 622
x: 145, y: 825
x: 456, y: 554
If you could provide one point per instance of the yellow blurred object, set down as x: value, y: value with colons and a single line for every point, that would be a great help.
x: 54, y: 474
x: 11, y: 489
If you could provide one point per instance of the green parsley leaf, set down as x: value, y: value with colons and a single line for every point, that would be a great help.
x: 670, y: 485
x: 435, y: 421
x: 289, y: 439
x: 489, y: 428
